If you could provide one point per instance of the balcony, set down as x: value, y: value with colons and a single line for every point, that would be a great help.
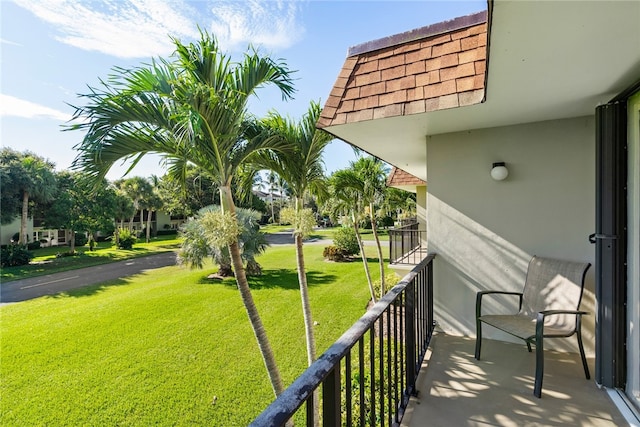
x: 407, y: 244
x: 454, y: 389
x: 391, y: 369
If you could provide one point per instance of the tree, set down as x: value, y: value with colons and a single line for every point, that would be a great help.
x: 81, y: 206
x: 186, y: 195
x: 301, y: 168
x: 398, y: 202
x: 123, y: 208
x: 137, y: 189
x: 191, y: 111
x: 196, y: 247
x: 26, y: 179
x: 373, y: 175
x: 348, y: 192
x: 152, y: 202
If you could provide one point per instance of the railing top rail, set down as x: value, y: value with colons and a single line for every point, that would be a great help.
x: 297, y: 393
x: 409, y: 226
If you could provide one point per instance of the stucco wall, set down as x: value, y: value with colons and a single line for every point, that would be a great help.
x: 485, y: 231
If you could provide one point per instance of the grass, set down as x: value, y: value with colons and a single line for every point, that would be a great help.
x: 168, y: 346
x: 326, y: 233
x: 46, y: 262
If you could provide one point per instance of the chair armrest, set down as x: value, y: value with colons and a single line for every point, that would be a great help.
x: 542, y: 314
x: 480, y: 294
x: 552, y: 312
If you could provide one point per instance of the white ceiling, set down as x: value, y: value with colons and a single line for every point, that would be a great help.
x: 547, y: 60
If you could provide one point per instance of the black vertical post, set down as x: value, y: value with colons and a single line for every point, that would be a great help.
x: 331, y: 398
x: 611, y: 243
x: 410, y: 335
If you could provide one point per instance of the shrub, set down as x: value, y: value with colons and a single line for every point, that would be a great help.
x: 332, y: 253
x: 345, y: 239
x: 390, y: 280
x: 33, y: 245
x: 127, y: 238
x: 81, y: 239
x: 386, y: 221
x: 14, y: 255
x: 166, y: 232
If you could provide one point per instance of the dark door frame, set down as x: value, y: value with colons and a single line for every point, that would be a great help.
x: 611, y: 240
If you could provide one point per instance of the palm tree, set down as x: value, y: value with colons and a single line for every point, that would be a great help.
x: 348, y: 189
x: 196, y: 247
x: 372, y: 174
x: 152, y: 202
x: 39, y: 185
x: 190, y: 111
x: 300, y: 167
x: 138, y: 189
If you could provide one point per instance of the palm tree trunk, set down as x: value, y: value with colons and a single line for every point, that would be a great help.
x: 374, y: 229
x: 306, y: 306
x: 148, y: 226
x: 364, y: 258
x: 308, y: 321
x: 23, y: 221
x: 249, y: 305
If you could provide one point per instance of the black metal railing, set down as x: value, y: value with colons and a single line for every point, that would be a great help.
x: 368, y: 375
x: 406, y: 244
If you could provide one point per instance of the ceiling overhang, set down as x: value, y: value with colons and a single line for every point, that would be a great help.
x: 546, y: 61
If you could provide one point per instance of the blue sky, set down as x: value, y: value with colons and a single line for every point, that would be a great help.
x: 51, y: 50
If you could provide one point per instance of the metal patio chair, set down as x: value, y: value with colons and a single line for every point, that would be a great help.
x: 549, y: 308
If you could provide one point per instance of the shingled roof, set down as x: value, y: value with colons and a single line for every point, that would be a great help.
x: 432, y: 68
x: 399, y: 179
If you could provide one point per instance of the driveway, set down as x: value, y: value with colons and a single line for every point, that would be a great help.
x: 34, y: 287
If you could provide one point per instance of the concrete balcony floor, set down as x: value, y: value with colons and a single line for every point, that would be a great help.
x: 457, y: 390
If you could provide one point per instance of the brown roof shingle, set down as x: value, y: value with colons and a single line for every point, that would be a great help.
x: 400, y: 178
x: 432, y: 68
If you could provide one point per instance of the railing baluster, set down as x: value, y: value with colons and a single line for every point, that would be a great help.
x: 372, y: 368
x: 331, y: 398
x: 390, y: 378
x: 361, y: 380
x: 381, y: 367
x: 388, y: 365
x: 347, y: 387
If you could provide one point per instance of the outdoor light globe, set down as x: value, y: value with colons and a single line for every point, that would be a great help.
x: 499, y: 171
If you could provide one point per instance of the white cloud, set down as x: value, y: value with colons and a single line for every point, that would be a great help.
x: 16, y: 107
x: 125, y: 29
x: 141, y: 28
x: 273, y: 24
x: 9, y: 42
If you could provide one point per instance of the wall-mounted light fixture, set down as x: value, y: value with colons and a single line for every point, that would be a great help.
x: 499, y: 171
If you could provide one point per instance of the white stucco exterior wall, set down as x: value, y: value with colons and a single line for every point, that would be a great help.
x: 485, y: 231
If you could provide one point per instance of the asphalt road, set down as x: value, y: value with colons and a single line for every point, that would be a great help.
x: 34, y: 287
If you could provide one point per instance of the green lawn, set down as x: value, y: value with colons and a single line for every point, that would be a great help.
x: 45, y: 261
x: 167, y: 347
x: 326, y: 233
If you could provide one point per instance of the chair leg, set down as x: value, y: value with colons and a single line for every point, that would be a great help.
x: 581, y: 347
x: 528, y: 346
x: 537, y: 388
x: 478, y: 338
